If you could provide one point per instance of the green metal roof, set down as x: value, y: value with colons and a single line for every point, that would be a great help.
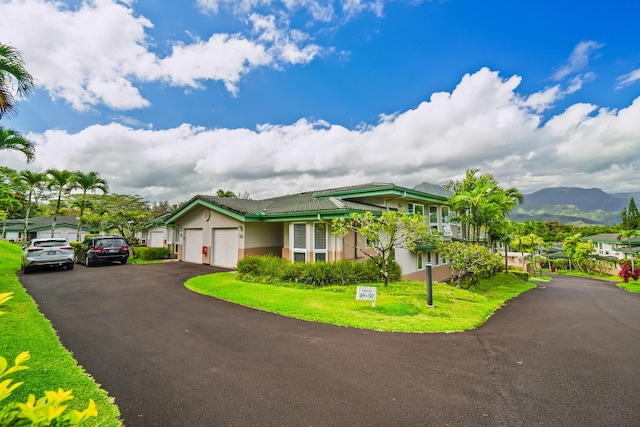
x: 611, y: 238
x: 331, y: 203
x: 43, y: 223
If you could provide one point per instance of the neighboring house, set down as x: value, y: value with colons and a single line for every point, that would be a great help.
x: 38, y: 227
x: 221, y: 231
x: 157, y: 234
x: 608, y: 245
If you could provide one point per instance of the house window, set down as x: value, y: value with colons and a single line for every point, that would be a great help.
x: 415, y: 209
x: 433, y: 218
x: 446, y: 221
x: 299, y: 243
x: 446, y: 214
x: 320, y: 241
x: 420, y: 258
x: 433, y: 258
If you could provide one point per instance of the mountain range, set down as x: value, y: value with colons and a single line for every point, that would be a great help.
x: 573, y: 205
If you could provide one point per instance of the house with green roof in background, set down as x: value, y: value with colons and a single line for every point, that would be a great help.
x: 220, y: 231
x: 40, y: 227
x: 611, y: 246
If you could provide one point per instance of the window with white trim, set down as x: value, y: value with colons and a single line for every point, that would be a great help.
x: 433, y: 218
x: 320, y: 232
x: 299, y: 248
x: 415, y: 209
x: 446, y: 220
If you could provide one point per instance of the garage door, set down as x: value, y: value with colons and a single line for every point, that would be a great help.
x: 225, y: 247
x: 156, y: 239
x: 193, y: 245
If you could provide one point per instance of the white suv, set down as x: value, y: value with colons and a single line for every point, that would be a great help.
x: 47, y: 252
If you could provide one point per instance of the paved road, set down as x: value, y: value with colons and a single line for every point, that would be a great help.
x: 565, y: 354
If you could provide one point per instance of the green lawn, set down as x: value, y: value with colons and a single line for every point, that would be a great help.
x: 23, y: 328
x: 632, y: 286
x: 400, y: 307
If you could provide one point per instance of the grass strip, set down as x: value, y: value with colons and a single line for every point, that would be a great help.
x: 400, y: 307
x: 24, y: 328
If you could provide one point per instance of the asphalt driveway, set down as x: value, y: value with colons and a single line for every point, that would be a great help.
x: 565, y: 354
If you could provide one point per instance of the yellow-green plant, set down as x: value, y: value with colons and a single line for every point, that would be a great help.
x: 47, y: 411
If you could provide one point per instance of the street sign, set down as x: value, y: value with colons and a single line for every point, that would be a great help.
x: 367, y: 293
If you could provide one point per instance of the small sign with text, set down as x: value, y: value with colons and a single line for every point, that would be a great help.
x: 367, y: 293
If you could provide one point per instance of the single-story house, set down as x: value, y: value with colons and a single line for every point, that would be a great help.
x: 39, y: 227
x: 157, y: 234
x: 220, y: 231
x: 611, y: 245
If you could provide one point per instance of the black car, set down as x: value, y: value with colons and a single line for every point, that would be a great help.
x: 102, y: 249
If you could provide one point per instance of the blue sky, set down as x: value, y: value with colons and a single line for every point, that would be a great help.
x: 169, y: 99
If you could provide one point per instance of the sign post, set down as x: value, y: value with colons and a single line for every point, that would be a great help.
x: 429, y: 286
x: 367, y: 293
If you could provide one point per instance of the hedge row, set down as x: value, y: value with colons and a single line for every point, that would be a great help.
x: 271, y: 269
x: 149, y: 254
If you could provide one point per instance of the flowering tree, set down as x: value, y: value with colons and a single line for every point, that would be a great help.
x: 384, y: 233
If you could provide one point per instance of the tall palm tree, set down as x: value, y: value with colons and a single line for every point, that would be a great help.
x: 471, y: 197
x: 13, y: 140
x: 15, y: 81
x: 34, y: 181
x: 87, y: 182
x: 62, y: 182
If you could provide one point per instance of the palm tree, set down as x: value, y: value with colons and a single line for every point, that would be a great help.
x: 62, y: 182
x: 13, y: 140
x: 629, y: 234
x: 15, y: 81
x: 533, y: 240
x: 475, y: 202
x: 34, y: 181
x: 87, y: 182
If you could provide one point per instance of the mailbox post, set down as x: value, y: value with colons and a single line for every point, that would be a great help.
x: 429, y: 286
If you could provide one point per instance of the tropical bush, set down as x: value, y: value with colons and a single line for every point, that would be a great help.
x: 521, y: 274
x: 626, y: 272
x: 149, y: 254
x: 272, y: 269
x: 469, y: 262
x: 47, y: 411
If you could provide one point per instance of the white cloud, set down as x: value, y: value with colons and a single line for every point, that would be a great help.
x: 579, y: 59
x: 628, y: 79
x: 482, y: 123
x: 98, y: 53
x: 318, y: 11
x: 222, y: 57
x: 285, y: 45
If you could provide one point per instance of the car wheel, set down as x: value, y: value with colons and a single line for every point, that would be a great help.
x: 69, y: 266
x: 87, y: 261
x: 26, y: 270
x: 124, y: 261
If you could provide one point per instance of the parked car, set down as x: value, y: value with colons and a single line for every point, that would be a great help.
x: 47, y: 252
x: 102, y: 249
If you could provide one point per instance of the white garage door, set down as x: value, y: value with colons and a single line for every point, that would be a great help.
x: 193, y: 245
x: 156, y: 239
x: 225, y: 247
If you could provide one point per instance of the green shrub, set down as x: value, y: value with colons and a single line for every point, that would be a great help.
x: 47, y: 411
x: 520, y: 274
x: 272, y: 269
x: 149, y: 254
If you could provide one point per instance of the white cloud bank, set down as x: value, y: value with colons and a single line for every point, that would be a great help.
x: 482, y: 123
x: 97, y: 53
